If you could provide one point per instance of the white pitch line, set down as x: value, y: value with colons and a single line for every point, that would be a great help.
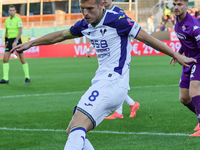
x: 67, y: 93
x: 151, y: 86
x: 106, y: 132
x: 45, y: 94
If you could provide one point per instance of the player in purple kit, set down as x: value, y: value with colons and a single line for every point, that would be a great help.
x: 187, y: 29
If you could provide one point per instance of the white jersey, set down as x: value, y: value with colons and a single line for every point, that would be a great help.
x: 111, y: 39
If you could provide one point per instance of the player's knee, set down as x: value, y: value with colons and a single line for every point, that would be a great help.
x: 184, y: 100
x: 23, y: 61
x: 68, y: 131
x: 193, y: 93
x: 5, y: 60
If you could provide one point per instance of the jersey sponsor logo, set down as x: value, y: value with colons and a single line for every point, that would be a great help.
x: 103, y: 55
x: 181, y: 36
x: 103, y: 31
x: 195, y: 27
x: 197, y: 38
x: 103, y: 50
x: 121, y: 17
x: 101, y: 47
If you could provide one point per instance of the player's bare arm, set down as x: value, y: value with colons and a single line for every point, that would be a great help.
x: 6, y: 38
x: 19, y: 34
x: 144, y: 37
x: 47, y: 39
x: 174, y: 61
x: 17, y: 38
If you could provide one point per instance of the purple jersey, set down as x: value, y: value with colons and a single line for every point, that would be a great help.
x: 188, y: 32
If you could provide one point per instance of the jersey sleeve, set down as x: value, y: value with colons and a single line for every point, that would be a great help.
x: 76, y: 29
x: 127, y: 27
x: 180, y: 50
x: 5, y: 24
x: 119, y: 10
x: 19, y: 23
x: 196, y: 34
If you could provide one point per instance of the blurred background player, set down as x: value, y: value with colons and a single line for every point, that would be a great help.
x: 150, y: 23
x: 187, y: 29
x: 133, y: 104
x: 13, y: 26
x: 167, y: 10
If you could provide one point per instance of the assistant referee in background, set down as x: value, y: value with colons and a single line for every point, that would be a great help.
x: 13, y: 26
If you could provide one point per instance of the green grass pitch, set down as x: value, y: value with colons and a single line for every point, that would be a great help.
x: 34, y: 116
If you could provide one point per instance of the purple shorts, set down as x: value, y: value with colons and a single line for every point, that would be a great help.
x: 192, y: 74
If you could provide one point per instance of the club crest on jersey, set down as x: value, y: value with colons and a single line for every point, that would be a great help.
x: 184, y: 28
x: 103, y: 31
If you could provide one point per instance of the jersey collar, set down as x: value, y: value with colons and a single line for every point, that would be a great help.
x: 94, y: 25
x: 112, y: 7
x: 12, y: 17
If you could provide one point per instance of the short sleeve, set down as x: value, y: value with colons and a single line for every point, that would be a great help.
x: 196, y: 34
x: 76, y: 29
x: 127, y: 27
x: 19, y: 23
x: 5, y: 24
x: 180, y: 50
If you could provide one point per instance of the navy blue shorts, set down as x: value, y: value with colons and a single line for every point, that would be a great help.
x: 9, y: 44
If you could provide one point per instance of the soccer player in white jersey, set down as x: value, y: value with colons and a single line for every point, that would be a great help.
x: 110, y: 33
x: 134, y: 106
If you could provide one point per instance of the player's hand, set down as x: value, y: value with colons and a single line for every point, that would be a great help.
x: 20, y: 48
x: 183, y: 60
x: 89, y: 50
x: 173, y: 60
